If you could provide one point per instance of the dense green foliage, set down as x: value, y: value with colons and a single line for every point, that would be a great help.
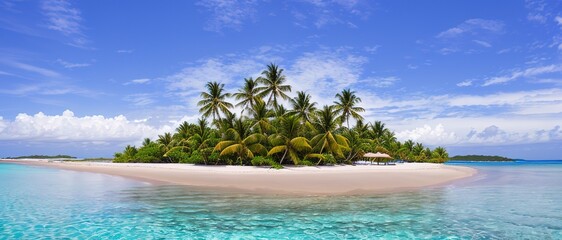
x: 41, y: 157
x: 483, y: 158
x: 268, y: 134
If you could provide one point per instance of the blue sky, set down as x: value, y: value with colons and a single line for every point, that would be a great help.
x: 89, y: 77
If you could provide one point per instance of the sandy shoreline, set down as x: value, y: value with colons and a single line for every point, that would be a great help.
x: 324, y: 180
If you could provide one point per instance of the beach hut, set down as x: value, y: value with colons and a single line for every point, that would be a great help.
x: 376, y: 155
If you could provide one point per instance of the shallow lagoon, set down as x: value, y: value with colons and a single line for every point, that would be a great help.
x: 504, y: 201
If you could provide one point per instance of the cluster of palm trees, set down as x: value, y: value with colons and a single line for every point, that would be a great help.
x: 267, y: 133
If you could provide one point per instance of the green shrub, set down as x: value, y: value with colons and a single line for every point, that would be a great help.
x: 265, y: 161
x: 213, y: 158
x: 150, y: 153
x: 195, y: 158
x: 329, y: 159
x: 307, y: 163
x: 178, y: 155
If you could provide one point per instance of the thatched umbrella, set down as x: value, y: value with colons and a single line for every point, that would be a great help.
x: 376, y: 155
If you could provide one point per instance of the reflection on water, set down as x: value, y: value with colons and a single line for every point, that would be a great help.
x: 502, y: 202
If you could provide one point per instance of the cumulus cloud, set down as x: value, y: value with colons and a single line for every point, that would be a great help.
x: 493, y: 135
x: 68, y: 127
x: 427, y: 134
x: 490, y: 135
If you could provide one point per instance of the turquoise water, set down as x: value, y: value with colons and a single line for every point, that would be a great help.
x: 504, y: 201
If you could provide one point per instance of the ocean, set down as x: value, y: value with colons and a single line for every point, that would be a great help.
x: 520, y: 200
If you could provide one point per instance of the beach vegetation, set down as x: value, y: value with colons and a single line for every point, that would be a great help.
x: 265, y: 133
x: 484, y: 158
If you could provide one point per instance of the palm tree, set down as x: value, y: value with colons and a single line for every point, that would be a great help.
x: 377, y: 130
x: 288, y: 141
x: 260, y: 115
x: 214, y: 101
x: 357, y: 145
x: 361, y: 128
x: 280, y: 111
x: 387, y: 139
x: 346, y: 106
x: 203, y: 139
x: 440, y: 154
x: 248, y: 94
x: 168, y: 144
x: 183, y: 131
x: 241, y: 142
x: 273, y: 80
x: 302, y: 106
x: 325, y: 124
x: 146, y: 142
x: 418, y: 152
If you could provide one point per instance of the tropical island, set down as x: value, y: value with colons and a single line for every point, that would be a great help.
x: 266, y: 133
x: 60, y: 156
x: 225, y: 150
x: 481, y: 158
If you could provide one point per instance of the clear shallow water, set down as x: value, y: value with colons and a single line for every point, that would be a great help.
x: 505, y: 201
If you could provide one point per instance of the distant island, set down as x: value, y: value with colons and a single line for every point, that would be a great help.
x: 41, y: 157
x: 483, y: 158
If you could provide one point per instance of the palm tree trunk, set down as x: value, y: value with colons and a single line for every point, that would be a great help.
x: 283, y: 157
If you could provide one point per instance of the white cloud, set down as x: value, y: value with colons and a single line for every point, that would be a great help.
x: 66, y: 64
x: 325, y: 73
x: 30, y: 68
x: 125, y: 51
x: 472, y: 26
x: 379, y: 82
x: 70, y: 128
x: 483, y: 43
x: 228, y: 13
x: 558, y: 20
x: 536, y: 18
x: 138, y: 81
x: 465, y: 83
x: 428, y: 135
x: 192, y: 80
x: 447, y: 51
x: 6, y: 73
x: 538, y: 10
x: 63, y: 18
x: 451, y: 32
x: 547, y: 96
x: 486, y: 131
x: 322, y: 13
x: 372, y: 49
x: 529, y: 72
x: 140, y: 99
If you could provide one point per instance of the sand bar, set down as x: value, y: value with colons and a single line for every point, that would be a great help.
x: 323, y: 180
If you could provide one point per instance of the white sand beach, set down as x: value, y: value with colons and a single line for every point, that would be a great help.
x: 323, y: 180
